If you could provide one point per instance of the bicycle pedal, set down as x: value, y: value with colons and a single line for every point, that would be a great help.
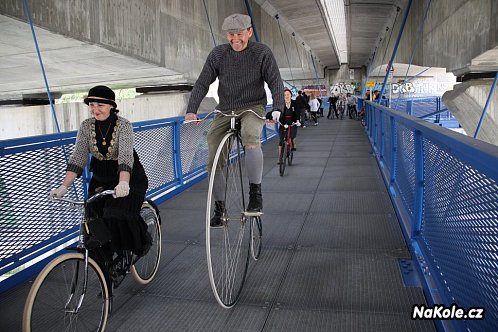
x: 253, y: 214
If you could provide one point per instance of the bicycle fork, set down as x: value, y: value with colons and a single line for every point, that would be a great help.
x: 75, y: 283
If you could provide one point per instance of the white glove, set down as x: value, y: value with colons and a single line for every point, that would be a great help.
x: 275, y: 115
x: 59, y: 192
x: 121, y: 190
x: 298, y: 123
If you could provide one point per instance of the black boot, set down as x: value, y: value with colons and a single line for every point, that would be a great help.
x: 255, y: 198
x: 219, y: 210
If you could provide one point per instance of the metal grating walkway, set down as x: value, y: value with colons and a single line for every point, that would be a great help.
x: 329, y: 262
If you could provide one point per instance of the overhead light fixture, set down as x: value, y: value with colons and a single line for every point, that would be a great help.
x: 336, y: 21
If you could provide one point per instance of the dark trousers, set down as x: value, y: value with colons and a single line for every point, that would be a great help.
x: 313, y: 116
x: 334, y: 109
x: 302, y: 115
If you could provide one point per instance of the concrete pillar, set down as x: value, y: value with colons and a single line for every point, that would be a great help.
x: 466, y: 102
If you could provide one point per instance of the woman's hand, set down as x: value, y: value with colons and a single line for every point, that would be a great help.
x: 58, y: 192
x: 122, y: 189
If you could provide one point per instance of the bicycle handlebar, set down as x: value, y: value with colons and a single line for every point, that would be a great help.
x: 230, y: 115
x: 292, y: 125
x: 72, y: 202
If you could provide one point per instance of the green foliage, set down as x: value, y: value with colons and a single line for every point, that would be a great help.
x: 78, y: 97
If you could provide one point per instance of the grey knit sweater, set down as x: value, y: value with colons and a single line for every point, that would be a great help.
x: 241, y: 76
x: 120, y: 147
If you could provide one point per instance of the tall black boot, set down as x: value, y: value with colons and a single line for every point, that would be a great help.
x: 255, y: 198
x: 219, y: 210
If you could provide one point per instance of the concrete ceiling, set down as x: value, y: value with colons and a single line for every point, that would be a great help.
x: 365, y: 20
x: 73, y: 64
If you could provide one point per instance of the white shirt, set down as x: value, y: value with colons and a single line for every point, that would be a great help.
x: 314, y: 105
x: 352, y: 100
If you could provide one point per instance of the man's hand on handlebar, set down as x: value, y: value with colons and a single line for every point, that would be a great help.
x: 191, y: 117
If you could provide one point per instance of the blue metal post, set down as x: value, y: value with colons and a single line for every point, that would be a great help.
x: 419, y: 184
x: 488, y: 101
x: 249, y: 11
x: 409, y: 106
x: 394, y: 147
x: 395, y: 50
x: 316, y: 74
x: 177, y: 157
x: 28, y: 14
x: 381, y: 138
x: 209, y: 21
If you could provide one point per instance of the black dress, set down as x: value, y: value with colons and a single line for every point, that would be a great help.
x: 121, y: 215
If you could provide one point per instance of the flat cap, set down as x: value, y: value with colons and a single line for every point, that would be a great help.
x: 236, y: 23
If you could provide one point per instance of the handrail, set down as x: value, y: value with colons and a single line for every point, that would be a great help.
x: 174, y: 157
x: 444, y: 188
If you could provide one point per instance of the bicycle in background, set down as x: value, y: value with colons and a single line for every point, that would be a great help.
x: 73, y: 292
x: 287, y: 152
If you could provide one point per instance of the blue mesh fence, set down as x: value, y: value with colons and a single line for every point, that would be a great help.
x: 431, y: 109
x: 444, y: 187
x: 173, y: 154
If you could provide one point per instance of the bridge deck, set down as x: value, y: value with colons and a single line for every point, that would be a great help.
x: 329, y: 262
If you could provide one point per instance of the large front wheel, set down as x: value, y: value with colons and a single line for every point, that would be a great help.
x: 228, y: 245
x: 61, y: 300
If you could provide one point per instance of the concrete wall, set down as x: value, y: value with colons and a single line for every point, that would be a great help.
x: 455, y: 32
x: 38, y: 120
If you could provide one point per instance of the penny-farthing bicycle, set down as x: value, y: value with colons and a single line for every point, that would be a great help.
x: 228, y: 247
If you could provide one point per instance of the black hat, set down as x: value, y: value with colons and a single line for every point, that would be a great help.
x: 101, y: 94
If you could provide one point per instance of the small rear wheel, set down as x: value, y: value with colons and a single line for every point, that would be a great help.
x: 256, y: 237
x: 146, y: 267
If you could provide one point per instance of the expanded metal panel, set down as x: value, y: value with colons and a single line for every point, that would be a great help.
x: 424, y: 107
x: 421, y: 107
x: 460, y: 230
x: 405, y: 168
x: 386, y: 125
x: 193, y: 143
x: 271, y: 131
x: 31, y: 226
x: 154, y: 147
x: 27, y: 218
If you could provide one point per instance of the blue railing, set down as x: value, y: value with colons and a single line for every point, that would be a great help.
x: 430, y: 109
x: 32, y: 231
x: 444, y: 187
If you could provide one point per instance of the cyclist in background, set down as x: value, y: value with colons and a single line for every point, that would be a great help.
x: 242, y: 68
x: 288, y: 116
x: 351, y: 102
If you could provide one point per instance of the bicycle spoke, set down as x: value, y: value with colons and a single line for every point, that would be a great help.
x: 228, y: 247
x: 54, y: 300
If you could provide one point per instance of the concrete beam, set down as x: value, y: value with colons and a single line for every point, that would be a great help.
x: 466, y: 102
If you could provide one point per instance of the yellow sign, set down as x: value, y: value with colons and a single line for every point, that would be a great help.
x: 370, y: 84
